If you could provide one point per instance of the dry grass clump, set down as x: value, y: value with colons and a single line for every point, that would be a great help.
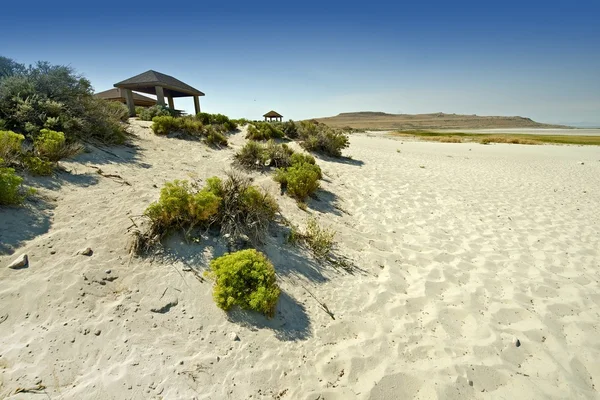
x: 255, y: 155
x: 507, y: 139
x: 318, y: 239
x: 239, y: 210
x: 444, y: 139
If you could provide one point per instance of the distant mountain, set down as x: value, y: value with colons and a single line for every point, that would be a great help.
x: 383, y: 121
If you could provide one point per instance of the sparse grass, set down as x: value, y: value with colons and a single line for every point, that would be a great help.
x: 507, y: 139
x: 504, y: 138
x: 444, y: 139
x: 318, y: 239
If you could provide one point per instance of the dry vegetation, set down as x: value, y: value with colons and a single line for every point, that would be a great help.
x: 458, y: 137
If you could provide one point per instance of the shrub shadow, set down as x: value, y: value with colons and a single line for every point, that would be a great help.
x: 326, y: 202
x: 291, y: 322
x: 20, y: 224
x: 61, y: 177
x: 127, y: 153
x: 340, y: 160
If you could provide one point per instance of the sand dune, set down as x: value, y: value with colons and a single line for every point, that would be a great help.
x: 461, y: 250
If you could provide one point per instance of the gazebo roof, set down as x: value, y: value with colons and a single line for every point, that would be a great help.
x: 115, y: 93
x: 273, y: 114
x: 147, y: 81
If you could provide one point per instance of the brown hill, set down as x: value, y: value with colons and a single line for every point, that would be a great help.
x: 383, y: 121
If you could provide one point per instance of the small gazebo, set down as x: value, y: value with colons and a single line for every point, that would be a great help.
x: 159, y: 84
x: 273, y: 116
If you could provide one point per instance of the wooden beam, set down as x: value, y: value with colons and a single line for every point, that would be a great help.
x: 129, y: 101
x: 160, y: 96
x: 197, y: 104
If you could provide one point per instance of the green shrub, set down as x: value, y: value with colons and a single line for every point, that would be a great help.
x: 217, y: 119
x: 118, y: 110
x: 246, y: 279
x: 300, y: 180
x: 10, y: 146
x: 55, y: 97
x: 321, y: 138
x: 37, y: 166
x: 10, y: 186
x: 180, y: 207
x: 149, y: 113
x: 214, y: 137
x: 289, y: 129
x: 51, y: 146
x: 241, y: 121
x: 263, y: 131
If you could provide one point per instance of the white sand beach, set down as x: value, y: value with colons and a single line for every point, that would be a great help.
x: 476, y: 275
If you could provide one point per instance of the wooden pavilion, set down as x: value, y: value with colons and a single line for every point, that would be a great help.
x: 159, y: 84
x: 273, y: 116
x: 116, y: 94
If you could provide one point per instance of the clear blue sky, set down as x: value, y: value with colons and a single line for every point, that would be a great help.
x: 312, y: 59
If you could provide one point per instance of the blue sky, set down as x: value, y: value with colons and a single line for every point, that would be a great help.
x: 313, y: 59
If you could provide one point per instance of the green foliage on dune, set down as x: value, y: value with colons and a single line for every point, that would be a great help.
x: 245, y: 279
x: 55, y: 97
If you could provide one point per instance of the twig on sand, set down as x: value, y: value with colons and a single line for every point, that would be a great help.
x: 100, y: 172
x: 38, y: 389
x: 323, y: 305
x: 3, y: 318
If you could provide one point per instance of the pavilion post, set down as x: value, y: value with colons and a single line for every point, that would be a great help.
x: 171, y: 104
x: 197, y: 104
x: 160, y: 96
x: 130, y: 103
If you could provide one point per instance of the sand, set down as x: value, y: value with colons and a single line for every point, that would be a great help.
x: 460, y: 251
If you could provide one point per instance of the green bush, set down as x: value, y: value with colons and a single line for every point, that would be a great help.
x: 10, y: 186
x: 55, y: 97
x: 37, y: 166
x: 290, y: 129
x: 322, y: 139
x: 279, y: 155
x: 51, y: 146
x: 300, y: 180
x: 263, y: 131
x: 180, y: 207
x: 149, y: 113
x: 214, y: 137
x: 246, y: 279
x: 10, y: 146
x: 221, y: 120
x: 118, y: 110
